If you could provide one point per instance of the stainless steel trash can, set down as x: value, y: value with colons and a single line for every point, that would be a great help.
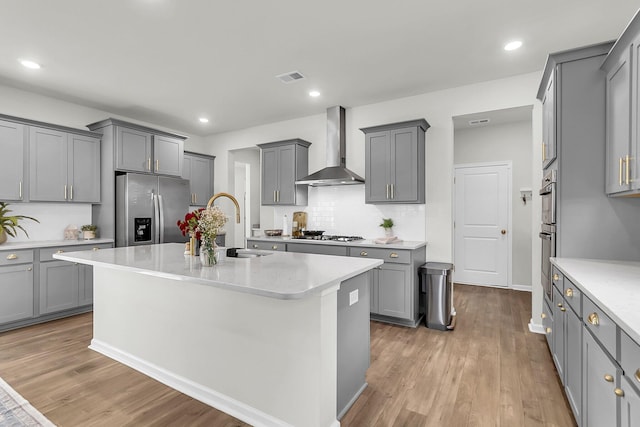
x: 435, y: 278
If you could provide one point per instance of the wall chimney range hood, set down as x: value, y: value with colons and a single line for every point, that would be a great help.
x: 336, y: 172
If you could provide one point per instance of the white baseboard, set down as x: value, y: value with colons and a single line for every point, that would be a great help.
x: 524, y: 288
x: 204, y: 394
x: 536, y: 328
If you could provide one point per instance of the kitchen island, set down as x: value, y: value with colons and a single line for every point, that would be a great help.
x: 264, y: 339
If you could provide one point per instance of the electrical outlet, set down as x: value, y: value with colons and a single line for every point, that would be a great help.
x: 353, y: 297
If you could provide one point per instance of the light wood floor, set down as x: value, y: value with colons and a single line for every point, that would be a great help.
x: 490, y: 371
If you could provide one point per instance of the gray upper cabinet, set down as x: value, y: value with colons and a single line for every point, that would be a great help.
x: 133, y: 150
x: 12, y: 141
x: 141, y: 149
x: 395, y: 162
x: 284, y: 162
x: 167, y: 155
x: 63, y: 166
x: 549, y: 122
x: 623, y: 113
x: 198, y: 169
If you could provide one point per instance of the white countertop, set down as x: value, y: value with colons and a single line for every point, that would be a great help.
x: 367, y: 243
x: 281, y: 275
x: 614, y: 286
x: 34, y: 244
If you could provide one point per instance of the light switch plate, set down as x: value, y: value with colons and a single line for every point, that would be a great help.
x: 353, y: 297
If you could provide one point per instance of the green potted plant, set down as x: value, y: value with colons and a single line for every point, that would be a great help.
x: 387, y: 224
x: 9, y: 224
x: 89, y: 231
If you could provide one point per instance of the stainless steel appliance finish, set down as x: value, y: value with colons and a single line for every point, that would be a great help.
x: 548, y: 196
x: 332, y: 238
x: 336, y: 172
x: 438, y: 287
x: 548, y: 228
x: 148, y: 207
x: 548, y: 236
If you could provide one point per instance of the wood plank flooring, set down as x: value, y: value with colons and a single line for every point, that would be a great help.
x: 490, y: 371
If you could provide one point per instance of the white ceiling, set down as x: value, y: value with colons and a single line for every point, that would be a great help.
x: 169, y: 62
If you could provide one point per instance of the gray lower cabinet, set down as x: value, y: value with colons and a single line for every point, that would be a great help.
x: 600, y: 375
x: 85, y: 285
x: 59, y: 286
x: 266, y: 246
x: 317, y: 249
x: 12, y: 179
x: 629, y: 404
x: 16, y: 285
x: 395, y: 162
x: 395, y: 291
x: 558, y: 332
x: 63, y: 167
x: 547, y: 324
x: 284, y: 162
x: 198, y: 169
x: 573, y: 362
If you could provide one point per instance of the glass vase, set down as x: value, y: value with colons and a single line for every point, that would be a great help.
x: 208, y: 256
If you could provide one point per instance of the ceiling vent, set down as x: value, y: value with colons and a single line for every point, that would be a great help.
x: 290, y: 77
x: 478, y: 122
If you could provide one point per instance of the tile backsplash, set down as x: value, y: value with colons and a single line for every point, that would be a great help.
x: 342, y: 210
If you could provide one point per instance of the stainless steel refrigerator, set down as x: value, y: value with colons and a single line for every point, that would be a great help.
x: 148, y: 207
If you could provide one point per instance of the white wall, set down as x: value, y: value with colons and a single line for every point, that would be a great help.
x: 54, y: 217
x: 511, y: 141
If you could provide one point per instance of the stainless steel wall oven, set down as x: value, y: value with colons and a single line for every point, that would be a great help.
x: 548, y: 228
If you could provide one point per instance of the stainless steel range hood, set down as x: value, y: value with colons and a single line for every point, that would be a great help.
x: 336, y: 172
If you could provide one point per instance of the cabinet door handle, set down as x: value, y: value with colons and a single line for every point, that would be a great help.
x: 278, y: 196
x: 637, y: 375
x: 11, y: 257
x: 627, y: 173
x: 65, y: 191
x: 255, y: 246
x: 387, y: 191
x: 363, y: 253
x: 29, y: 269
x: 95, y: 249
x: 393, y: 255
x: 548, y: 330
x: 274, y: 247
x: 543, y: 316
x: 149, y: 164
x: 619, y: 392
x: 594, y: 319
x: 195, y: 198
x: 157, y: 165
x: 559, y: 304
x: 620, y: 172
x: 563, y: 309
x: 556, y: 276
x: 544, y: 152
x: 71, y: 192
x: 569, y: 292
x: 392, y: 188
x: 608, y: 378
x: 274, y: 195
x: 59, y: 251
x: 20, y: 190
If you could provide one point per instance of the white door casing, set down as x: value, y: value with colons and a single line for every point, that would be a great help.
x: 482, y: 224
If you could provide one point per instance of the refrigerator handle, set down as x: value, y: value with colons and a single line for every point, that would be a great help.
x: 161, y: 211
x: 156, y: 219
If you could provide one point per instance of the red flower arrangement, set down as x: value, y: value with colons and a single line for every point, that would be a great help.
x: 190, y: 223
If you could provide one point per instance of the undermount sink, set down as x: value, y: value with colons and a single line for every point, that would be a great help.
x: 249, y: 253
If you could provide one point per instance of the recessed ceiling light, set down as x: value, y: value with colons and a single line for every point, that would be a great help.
x: 30, y: 64
x: 513, y: 45
x: 314, y: 93
x: 203, y: 120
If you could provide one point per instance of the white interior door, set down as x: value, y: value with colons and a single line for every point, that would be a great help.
x: 482, y: 238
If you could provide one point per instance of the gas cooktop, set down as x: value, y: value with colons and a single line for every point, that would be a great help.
x: 333, y: 238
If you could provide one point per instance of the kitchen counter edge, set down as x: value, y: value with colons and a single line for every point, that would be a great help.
x: 36, y: 244
x: 367, y: 243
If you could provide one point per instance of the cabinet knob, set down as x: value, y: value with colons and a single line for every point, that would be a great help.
x: 608, y: 378
x: 556, y: 276
x: 563, y: 309
x: 543, y: 315
x: 363, y: 253
x: 11, y: 257
x: 637, y: 375
x: 548, y: 330
x: 569, y: 292
x: 29, y: 269
x: 95, y: 249
x: 619, y: 392
x: 393, y: 255
x: 255, y: 246
x: 594, y: 319
x: 560, y: 304
x: 274, y: 247
x: 59, y: 251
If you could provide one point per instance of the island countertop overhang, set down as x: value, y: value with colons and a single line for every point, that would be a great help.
x: 280, y: 275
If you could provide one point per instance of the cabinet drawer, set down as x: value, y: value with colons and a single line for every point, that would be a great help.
x: 23, y: 256
x: 601, y: 325
x: 266, y: 246
x: 573, y: 296
x: 317, y: 249
x: 630, y: 358
x: 388, y: 255
x: 46, y: 254
x: 557, y: 278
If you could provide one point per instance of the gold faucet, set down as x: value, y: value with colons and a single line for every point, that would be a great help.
x: 230, y: 197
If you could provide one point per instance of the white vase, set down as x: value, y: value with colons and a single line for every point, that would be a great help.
x: 388, y: 232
